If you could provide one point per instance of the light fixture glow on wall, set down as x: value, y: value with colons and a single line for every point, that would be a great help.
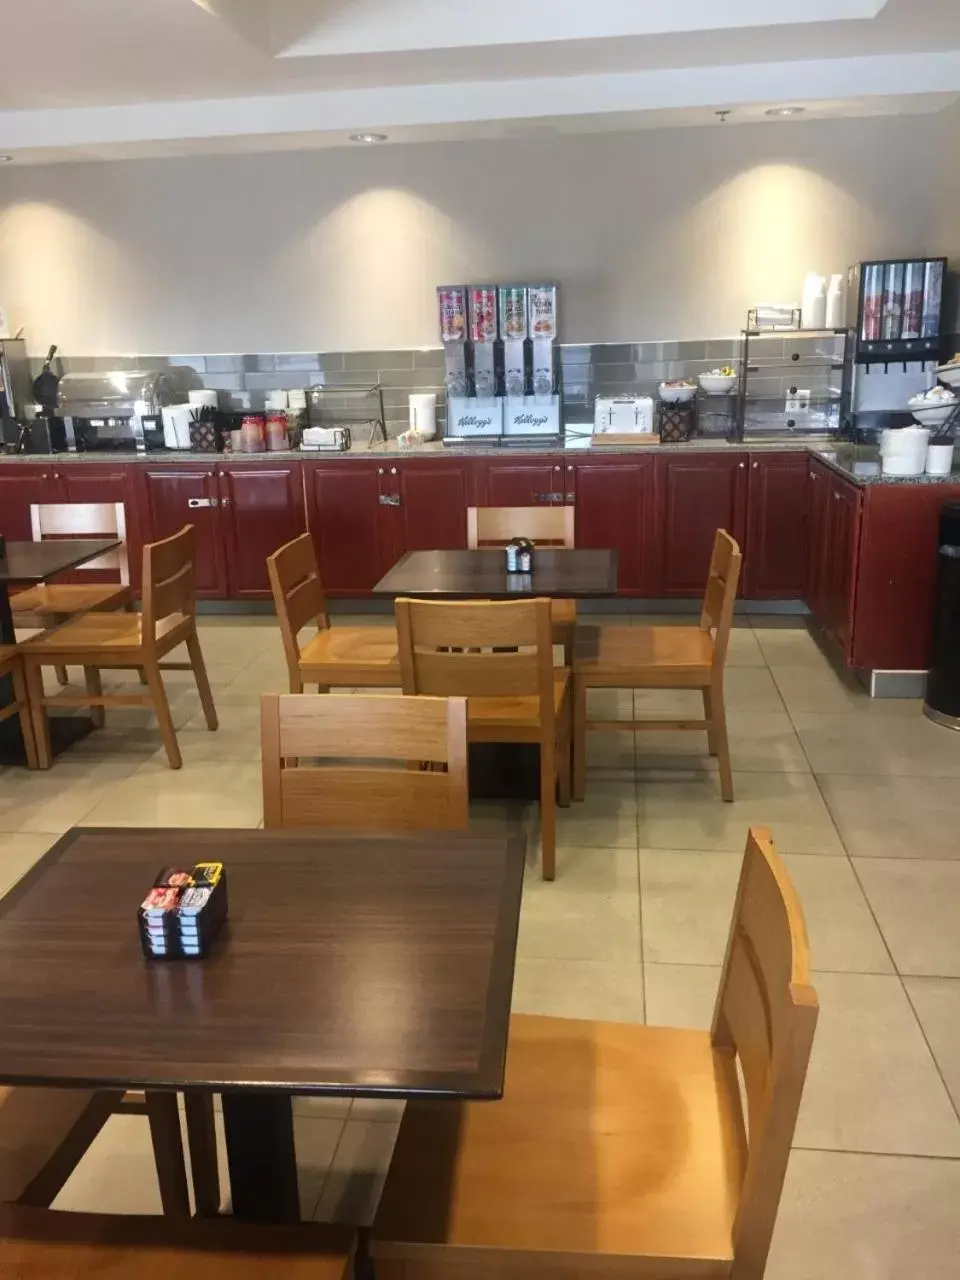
x: 369, y: 138
x: 784, y: 111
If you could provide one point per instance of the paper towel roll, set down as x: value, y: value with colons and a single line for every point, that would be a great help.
x: 423, y: 414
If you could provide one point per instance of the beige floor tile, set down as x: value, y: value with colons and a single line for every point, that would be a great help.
x: 745, y: 689
x: 237, y: 737
x: 760, y: 741
x: 594, y: 989
x: 906, y: 746
x: 117, y: 1175
x: 916, y: 907
x: 353, y: 1185
x: 316, y: 1141
x: 789, y: 646
x: 820, y: 690
x: 574, y: 925
x: 690, y: 814
x: 383, y: 1110
x: 18, y: 853
x: 936, y: 1002
x: 53, y: 800
x: 843, y: 934
x: 744, y: 649
x: 681, y: 995
x: 586, y: 871
x: 606, y: 817
x: 198, y: 795
x: 316, y: 1108
x: 873, y: 1085
x: 686, y: 901
x: 611, y: 755
x: 895, y: 817
x: 863, y: 1217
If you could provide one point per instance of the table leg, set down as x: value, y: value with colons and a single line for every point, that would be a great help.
x: 504, y: 771
x: 64, y: 730
x: 262, y: 1157
x: 202, y: 1141
x: 164, y: 1116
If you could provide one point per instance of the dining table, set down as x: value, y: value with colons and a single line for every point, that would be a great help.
x: 25, y: 564
x: 377, y: 966
x: 507, y: 771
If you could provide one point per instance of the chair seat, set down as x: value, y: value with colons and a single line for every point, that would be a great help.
x: 635, y: 657
x: 563, y: 612
x: 117, y: 635
x: 54, y: 600
x: 489, y: 718
x: 611, y: 1142
x: 344, y: 656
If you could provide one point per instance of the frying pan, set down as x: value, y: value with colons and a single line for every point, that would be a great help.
x: 46, y: 385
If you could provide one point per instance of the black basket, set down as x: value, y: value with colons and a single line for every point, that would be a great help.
x: 678, y: 422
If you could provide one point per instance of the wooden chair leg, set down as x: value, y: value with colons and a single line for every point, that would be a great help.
x: 711, y: 727
x: 94, y: 685
x: 63, y: 677
x: 26, y: 719
x: 548, y: 810
x: 202, y: 1142
x: 161, y: 707
x: 164, y: 1116
x: 579, y: 739
x: 38, y: 712
x: 713, y: 704
x: 203, y: 683
x: 564, y: 760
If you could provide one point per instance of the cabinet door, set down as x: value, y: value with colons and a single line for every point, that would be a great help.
x: 614, y: 509
x: 699, y: 495
x: 775, y: 554
x: 175, y: 496
x: 433, y: 505
x: 845, y: 526
x: 91, y: 482
x: 261, y: 509
x: 343, y: 513
x: 522, y: 484
x: 819, y: 511
x: 21, y: 486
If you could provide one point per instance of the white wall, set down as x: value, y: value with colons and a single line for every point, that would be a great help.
x: 947, y: 212
x: 666, y: 234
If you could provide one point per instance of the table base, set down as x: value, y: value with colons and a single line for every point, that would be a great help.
x: 504, y: 771
x: 261, y: 1156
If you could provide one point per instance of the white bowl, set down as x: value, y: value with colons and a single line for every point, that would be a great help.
x: 932, y: 414
x: 676, y: 395
x: 718, y: 384
x: 949, y: 375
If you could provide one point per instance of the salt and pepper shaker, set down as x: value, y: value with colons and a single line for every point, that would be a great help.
x: 524, y: 555
x: 512, y: 552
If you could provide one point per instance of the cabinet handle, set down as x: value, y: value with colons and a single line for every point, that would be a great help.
x: 389, y: 499
x: 393, y: 471
x: 742, y: 465
x: 194, y: 503
x: 558, y: 468
x: 380, y: 471
x: 570, y: 466
x: 756, y: 466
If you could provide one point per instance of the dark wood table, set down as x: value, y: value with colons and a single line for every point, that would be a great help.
x: 465, y: 575
x: 27, y: 564
x: 350, y: 965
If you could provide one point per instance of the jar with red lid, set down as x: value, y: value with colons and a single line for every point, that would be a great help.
x: 277, y: 437
x: 252, y: 434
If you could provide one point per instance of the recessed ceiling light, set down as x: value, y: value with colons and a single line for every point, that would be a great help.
x: 784, y: 111
x: 6, y: 159
x: 368, y: 137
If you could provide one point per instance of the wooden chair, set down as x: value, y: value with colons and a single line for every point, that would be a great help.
x: 617, y: 657
x: 46, y: 1244
x: 50, y: 604
x: 357, y: 736
x: 336, y: 657
x: 11, y: 664
x: 110, y: 641
x: 621, y: 1150
x: 546, y: 526
x: 513, y: 694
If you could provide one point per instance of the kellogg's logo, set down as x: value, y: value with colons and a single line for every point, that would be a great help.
x: 471, y: 420
x: 530, y: 420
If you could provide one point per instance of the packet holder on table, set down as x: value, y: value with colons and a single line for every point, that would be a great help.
x: 184, y: 912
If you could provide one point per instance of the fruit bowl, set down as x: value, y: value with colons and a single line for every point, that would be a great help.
x: 950, y: 373
x: 932, y: 411
x: 677, y: 392
x: 718, y: 384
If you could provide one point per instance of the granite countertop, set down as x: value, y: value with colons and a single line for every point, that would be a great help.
x: 859, y: 464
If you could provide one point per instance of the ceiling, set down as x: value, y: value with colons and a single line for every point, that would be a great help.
x: 111, y: 78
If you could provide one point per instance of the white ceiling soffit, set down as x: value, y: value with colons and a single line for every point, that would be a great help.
x: 337, y: 28
x: 517, y: 99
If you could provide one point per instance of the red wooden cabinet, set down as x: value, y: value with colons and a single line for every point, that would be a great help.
x: 819, y: 491
x: 833, y: 553
x: 21, y: 486
x: 344, y: 501
x: 96, y: 482
x: 434, y: 495
x: 261, y: 508
x: 615, y: 509
x: 515, y: 483
x: 775, y: 548
x: 698, y: 494
x: 173, y: 495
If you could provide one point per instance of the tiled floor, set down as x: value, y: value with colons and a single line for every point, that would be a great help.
x: 864, y: 801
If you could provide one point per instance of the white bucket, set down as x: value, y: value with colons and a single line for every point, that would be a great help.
x: 423, y: 414
x: 939, y: 459
x: 904, y: 451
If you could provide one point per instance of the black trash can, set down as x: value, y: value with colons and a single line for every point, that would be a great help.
x: 943, y: 681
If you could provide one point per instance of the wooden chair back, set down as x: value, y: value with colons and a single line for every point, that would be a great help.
x: 495, y: 526
x: 169, y: 588
x: 85, y: 520
x: 720, y: 596
x: 478, y: 649
x: 367, y: 758
x: 298, y: 595
x: 766, y: 1014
